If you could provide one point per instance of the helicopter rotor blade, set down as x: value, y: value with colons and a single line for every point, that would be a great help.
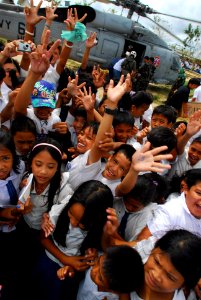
x: 181, y: 18
x: 165, y: 29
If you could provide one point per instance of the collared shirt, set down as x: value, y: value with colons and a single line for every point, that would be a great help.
x: 136, y: 220
x: 182, y: 165
x: 172, y: 215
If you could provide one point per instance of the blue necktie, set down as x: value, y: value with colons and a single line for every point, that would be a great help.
x: 122, y: 226
x: 12, y: 192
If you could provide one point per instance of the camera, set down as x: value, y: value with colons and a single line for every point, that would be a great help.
x: 24, y: 47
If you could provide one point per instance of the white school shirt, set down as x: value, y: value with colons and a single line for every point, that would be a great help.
x: 51, y: 75
x: 178, y: 295
x: 43, y: 126
x: 197, y: 94
x: 182, y: 165
x: 4, y: 195
x: 74, y: 239
x: 172, y: 215
x: 88, y: 290
x: 40, y: 202
x: 136, y: 220
x: 79, y: 171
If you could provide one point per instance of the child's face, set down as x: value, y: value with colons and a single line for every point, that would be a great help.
x: 6, y: 162
x: 101, y: 109
x: 43, y: 113
x: 75, y: 214
x: 123, y: 132
x: 139, y: 111
x: 160, y: 274
x: 44, y: 167
x: 24, y: 141
x: 132, y: 205
x: 117, y: 166
x: 194, y: 153
x: 193, y: 200
x: 97, y: 275
x: 86, y: 140
x: 159, y: 120
x: 78, y: 124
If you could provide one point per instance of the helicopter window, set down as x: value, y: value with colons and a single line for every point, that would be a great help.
x: 109, y: 47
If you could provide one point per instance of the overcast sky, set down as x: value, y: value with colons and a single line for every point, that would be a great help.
x: 183, y: 8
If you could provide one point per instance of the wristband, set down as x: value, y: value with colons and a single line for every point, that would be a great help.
x: 76, y: 35
x: 30, y: 33
x: 110, y: 111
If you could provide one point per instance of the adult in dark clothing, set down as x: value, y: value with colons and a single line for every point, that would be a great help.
x: 143, y: 76
x: 152, y: 68
x: 182, y: 94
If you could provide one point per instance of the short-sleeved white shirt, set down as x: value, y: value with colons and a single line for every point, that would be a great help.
x: 178, y: 295
x: 51, y: 75
x: 197, y: 94
x: 182, y: 165
x: 40, y: 202
x: 172, y: 215
x: 43, y: 127
x: 88, y: 290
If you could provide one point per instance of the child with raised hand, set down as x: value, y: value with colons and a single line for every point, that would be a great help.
x: 119, y: 164
x: 78, y: 228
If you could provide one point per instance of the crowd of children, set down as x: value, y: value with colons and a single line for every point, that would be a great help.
x: 100, y: 192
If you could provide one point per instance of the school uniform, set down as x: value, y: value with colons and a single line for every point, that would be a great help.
x: 174, y: 214
x: 178, y: 295
x: 136, y: 220
x: 88, y: 290
x: 182, y: 165
x: 43, y: 126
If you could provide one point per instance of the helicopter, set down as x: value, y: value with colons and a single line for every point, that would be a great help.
x: 115, y: 34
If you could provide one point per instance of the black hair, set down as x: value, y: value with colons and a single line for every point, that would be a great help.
x: 192, y: 177
x: 93, y: 125
x: 14, y: 62
x: 162, y: 136
x: 102, y: 101
x: 2, y: 73
x: 151, y: 59
x: 140, y: 98
x: 146, y: 57
x: 194, y: 81
x: 175, y: 183
x: 123, y: 117
x: 95, y: 197
x: 125, y: 102
x: 56, y: 155
x: 167, y: 111
x: 123, y: 269
x: 87, y: 78
x: 143, y: 191
x: 81, y: 112
x: 21, y: 124
x: 161, y: 186
x: 196, y: 140
x: 6, y: 141
x: 127, y: 150
x: 183, y: 249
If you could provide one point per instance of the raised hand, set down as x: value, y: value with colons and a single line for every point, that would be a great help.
x: 194, y: 123
x: 98, y: 76
x: 88, y: 99
x: 50, y: 12
x: 73, y: 87
x: 40, y: 58
x: 31, y: 13
x: 91, y: 40
x: 115, y: 93
x: 149, y: 160
x: 72, y: 19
